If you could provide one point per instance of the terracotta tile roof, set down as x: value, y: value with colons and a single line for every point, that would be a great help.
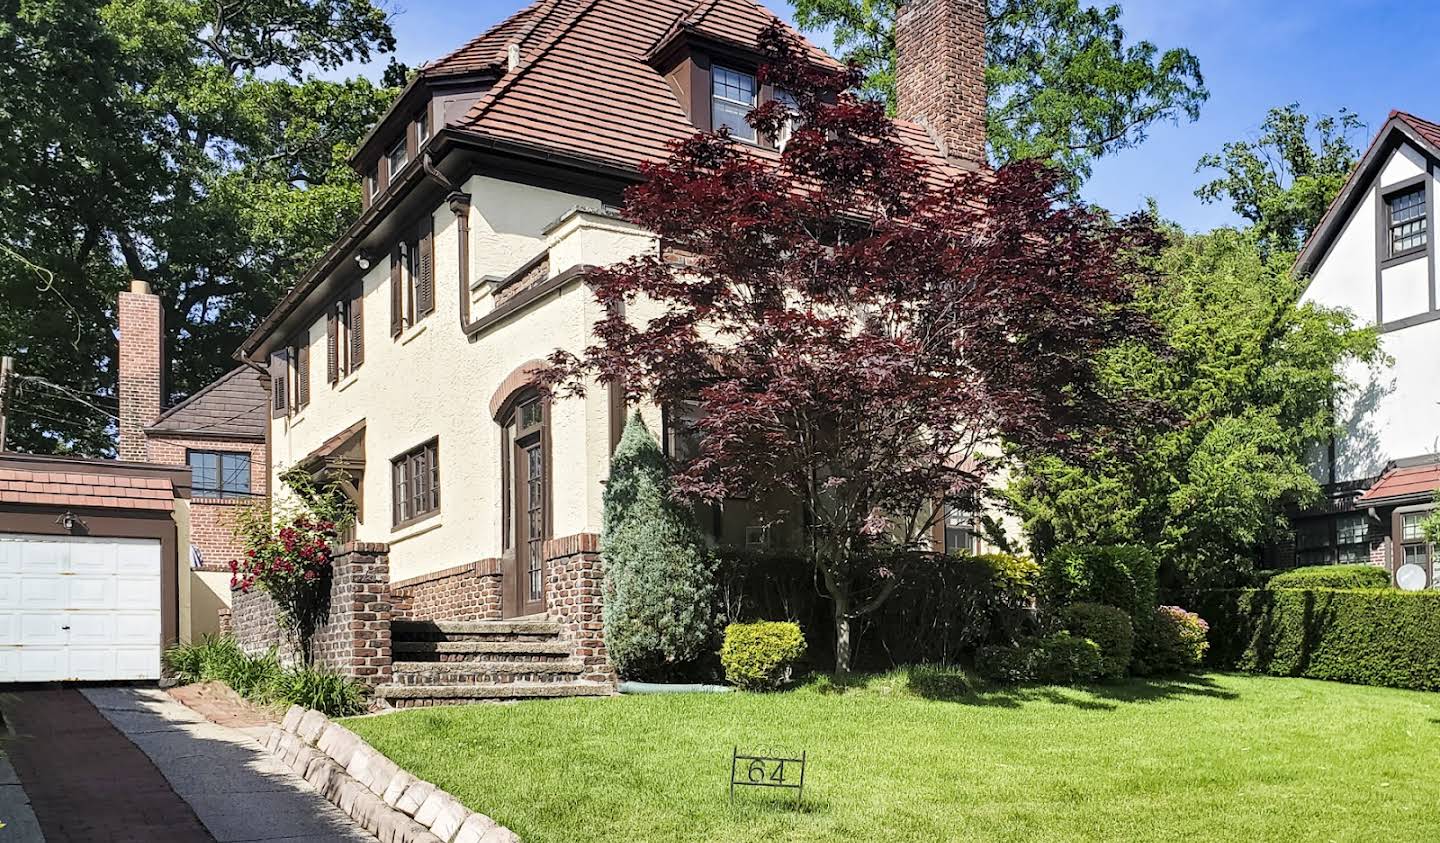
x: 530, y: 25
x: 588, y: 90
x: 1424, y: 128
x: 1404, y: 482
x: 234, y: 406
x: 79, y: 488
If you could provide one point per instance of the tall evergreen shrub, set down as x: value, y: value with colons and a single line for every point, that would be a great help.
x: 659, y: 583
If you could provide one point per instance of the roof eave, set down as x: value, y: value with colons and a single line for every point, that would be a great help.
x: 1321, y: 239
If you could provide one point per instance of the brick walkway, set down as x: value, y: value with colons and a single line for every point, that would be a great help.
x: 86, y: 781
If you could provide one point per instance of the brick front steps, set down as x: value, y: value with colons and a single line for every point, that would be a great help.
x: 440, y: 662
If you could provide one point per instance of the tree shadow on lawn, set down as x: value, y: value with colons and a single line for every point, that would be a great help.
x: 952, y: 686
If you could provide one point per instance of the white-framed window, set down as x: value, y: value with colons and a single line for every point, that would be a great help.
x: 1409, y: 226
x: 787, y: 131
x: 397, y: 158
x: 732, y: 97
x: 372, y: 183
x: 422, y: 128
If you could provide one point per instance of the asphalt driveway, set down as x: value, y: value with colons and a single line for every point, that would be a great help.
x: 132, y: 764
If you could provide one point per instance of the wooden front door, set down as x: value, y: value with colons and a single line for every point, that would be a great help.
x: 529, y: 523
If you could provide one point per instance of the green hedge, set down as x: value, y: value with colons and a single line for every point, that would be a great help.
x: 761, y: 656
x: 1389, y: 638
x: 1331, y: 576
x: 1122, y: 576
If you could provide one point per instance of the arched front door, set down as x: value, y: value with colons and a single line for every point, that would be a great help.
x: 527, y: 496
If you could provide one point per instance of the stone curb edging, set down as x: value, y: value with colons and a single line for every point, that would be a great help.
x: 389, y: 802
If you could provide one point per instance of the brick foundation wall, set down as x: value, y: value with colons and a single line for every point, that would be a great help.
x: 576, y: 581
x: 463, y: 593
x: 354, y: 640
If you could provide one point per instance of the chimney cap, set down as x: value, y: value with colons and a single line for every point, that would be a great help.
x: 141, y: 287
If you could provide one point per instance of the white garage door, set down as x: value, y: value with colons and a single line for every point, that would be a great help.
x: 85, y: 609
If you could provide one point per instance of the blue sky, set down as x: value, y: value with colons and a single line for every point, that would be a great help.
x: 1323, y: 54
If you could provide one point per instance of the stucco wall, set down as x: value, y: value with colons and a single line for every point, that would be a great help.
x: 1393, y: 410
x: 433, y: 382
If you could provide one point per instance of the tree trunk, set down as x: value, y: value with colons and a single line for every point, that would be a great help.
x: 843, y: 644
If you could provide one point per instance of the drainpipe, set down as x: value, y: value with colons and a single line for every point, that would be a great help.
x: 460, y: 206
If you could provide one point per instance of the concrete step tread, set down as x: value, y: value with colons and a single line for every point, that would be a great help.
x: 513, y: 627
x: 481, y: 668
x: 554, y: 648
x: 503, y: 691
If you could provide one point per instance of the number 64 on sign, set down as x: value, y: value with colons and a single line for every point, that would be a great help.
x: 767, y: 771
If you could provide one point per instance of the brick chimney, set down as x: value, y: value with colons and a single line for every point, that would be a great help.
x: 940, y: 74
x: 141, y: 367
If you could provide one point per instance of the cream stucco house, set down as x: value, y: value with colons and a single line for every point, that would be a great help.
x: 404, y: 359
x: 1375, y: 255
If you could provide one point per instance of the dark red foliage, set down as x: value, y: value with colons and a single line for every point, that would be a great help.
x: 860, y: 330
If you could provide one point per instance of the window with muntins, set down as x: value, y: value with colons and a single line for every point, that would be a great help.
x: 1409, y: 226
x: 415, y: 483
x: 219, y: 474
x: 397, y: 158
x: 422, y: 128
x: 732, y: 96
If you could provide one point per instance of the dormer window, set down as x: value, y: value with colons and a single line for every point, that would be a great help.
x: 397, y: 158
x: 372, y: 183
x: 1409, y: 229
x: 422, y: 128
x: 732, y: 96
x: 788, y: 129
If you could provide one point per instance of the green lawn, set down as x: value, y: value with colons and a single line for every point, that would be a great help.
x: 1221, y: 757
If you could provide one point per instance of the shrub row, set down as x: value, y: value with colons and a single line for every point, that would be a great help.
x: 262, y: 678
x: 1389, y: 638
x: 1331, y: 576
x: 945, y: 608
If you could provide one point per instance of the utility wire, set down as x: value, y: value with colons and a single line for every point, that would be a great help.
x: 68, y: 393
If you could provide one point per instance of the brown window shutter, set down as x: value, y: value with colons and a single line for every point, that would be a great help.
x: 425, y: 281
x: 332, y: 344
x: 279, y: 382
x: 302, y: 372
x: 397, y: 295
x: 357, y: 327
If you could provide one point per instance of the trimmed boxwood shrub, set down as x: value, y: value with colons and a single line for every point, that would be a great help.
x: 1059, y: 659
x: 1122, y: 576
x: 1110, y: 628
x: 1331, y: 576
x: 761, y: 656
x: 1175, y: 641
x: 1388, y: 637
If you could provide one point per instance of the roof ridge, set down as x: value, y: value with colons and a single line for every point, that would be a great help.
x: 492, y: 96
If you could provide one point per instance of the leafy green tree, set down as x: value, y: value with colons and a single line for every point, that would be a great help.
x: 1252, y: 375
x: 186, y: 143
x: 659, y: 588
x: 1285, y: 179
x: 1063, y: 82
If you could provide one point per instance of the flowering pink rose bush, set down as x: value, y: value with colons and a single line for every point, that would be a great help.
x: 290, y: 561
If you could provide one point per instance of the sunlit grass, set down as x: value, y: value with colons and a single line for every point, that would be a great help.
x: 1221, y: 757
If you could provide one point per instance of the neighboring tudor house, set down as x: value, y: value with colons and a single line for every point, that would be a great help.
x: 404, y: 360
x: 1374, y: 253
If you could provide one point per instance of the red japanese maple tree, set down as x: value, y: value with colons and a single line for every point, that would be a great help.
x: 859, y: 331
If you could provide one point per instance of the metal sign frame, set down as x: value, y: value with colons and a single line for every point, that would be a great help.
x: 766, y: 771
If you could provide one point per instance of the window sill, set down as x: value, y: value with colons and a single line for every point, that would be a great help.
x: 295, y: 420
x: 416, y: 528
x: 347, y: 381
x: 1409, y: 321
x: 409, y: 334
x: 207, y: 500
x: 1405, y: 257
